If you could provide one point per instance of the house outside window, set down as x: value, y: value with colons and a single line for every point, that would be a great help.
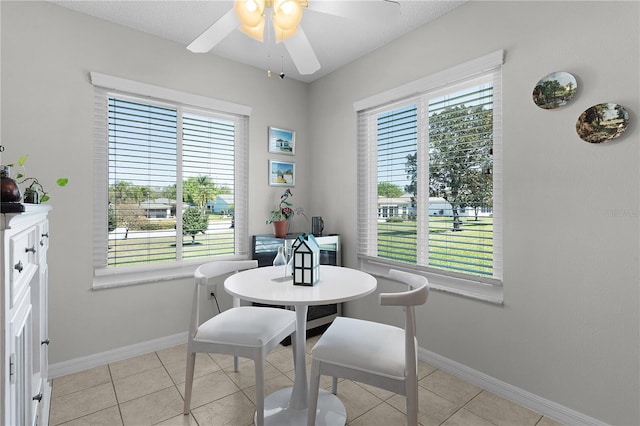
x: 170, y: 187
x: 435, y: 157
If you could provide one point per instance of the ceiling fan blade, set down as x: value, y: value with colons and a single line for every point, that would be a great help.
x: 371, y: 10
x: 302, y: 53
x: 215, y: 33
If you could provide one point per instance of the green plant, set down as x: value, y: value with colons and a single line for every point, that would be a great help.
x: 33, y: 183
x: 283, y: 211
x: 193, y: 222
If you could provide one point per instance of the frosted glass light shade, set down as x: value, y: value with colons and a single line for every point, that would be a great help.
x: 251, y: 15
x: 256, y: 32
x: 287, y: 14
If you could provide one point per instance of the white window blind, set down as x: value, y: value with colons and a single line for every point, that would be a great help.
x: 142, y: 158
x: 170, y: 183
x: 429, y: 180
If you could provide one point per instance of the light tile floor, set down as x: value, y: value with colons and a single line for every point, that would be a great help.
x: 148, y: 390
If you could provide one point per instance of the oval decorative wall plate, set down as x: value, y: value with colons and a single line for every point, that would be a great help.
x: 602, y: 123
x: 555, y: 90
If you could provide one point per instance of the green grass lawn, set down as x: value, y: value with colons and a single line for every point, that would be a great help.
x: 159, y: 247
x: 468, y: 249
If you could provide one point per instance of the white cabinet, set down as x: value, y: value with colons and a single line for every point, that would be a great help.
x: 26, y: 390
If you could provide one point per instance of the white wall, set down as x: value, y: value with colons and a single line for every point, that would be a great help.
x: 47, y: 54
x: 569, y: 327
x: 568, y: 330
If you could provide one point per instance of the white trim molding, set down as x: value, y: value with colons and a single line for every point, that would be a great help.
x: 91, y: 361
x: 431, y: 82
x: 136, y: 87
x: 529, y: 400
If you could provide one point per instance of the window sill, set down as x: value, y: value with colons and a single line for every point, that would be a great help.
x: 488, y: 290
x: 126, y: 276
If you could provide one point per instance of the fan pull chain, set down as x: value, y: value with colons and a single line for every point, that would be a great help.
x: 268, y: 22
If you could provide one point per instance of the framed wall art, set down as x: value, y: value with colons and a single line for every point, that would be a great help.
x: 282, y: 141
x: 602, y: 123
x: 555, y: 90
x: 282, y: 173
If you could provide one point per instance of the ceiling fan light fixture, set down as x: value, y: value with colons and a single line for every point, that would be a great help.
x: 250, y: 12
x: 249, y: 16
x: 256, y: 32
x: 287, y: 13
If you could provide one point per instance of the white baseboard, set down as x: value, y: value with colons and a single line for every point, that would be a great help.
x: 96, y: 360
x: 533, y: 402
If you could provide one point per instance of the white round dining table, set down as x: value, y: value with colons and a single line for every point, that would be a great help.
x: 268, y: 286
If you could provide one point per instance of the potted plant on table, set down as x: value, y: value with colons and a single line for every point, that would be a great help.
x: 281, y: 215
x: 34, y: 192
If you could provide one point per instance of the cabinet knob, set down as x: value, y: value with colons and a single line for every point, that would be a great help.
x: 38, y: 397
x: 46, y: 235
x: 18, y: 267
x: 45, y: 342
x: 30, y: 249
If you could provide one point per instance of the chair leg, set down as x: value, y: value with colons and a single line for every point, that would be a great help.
x: 314, y: 389
x: 188, y: 384
x: 334, y: 382
x: 235, y: 364
x: 259, y: 367
x: 412, y: 402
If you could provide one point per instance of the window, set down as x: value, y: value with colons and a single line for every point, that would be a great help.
x: 430, y: 178
x: 170, y: 183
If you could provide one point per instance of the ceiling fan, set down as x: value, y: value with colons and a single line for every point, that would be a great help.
x: 281, y: 24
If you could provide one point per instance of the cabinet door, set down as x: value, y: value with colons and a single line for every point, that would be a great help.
x: 22, y: 261
x: 38, y: 333
x: 39, y: 302
x: 41, y: 337
x: 21, y: 365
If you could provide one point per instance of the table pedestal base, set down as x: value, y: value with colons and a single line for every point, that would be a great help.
x: 331, y: 411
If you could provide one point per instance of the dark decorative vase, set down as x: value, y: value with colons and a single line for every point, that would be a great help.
x: 280, y: 228
x: 9, y: 192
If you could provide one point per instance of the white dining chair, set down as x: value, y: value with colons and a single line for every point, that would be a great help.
x: 377, y: 354
x: 242, y: 331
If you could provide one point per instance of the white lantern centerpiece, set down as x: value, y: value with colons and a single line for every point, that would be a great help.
x: 306, y: 260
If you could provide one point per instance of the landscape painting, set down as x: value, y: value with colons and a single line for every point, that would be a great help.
x: 555, y: 90
x: 602, y: 123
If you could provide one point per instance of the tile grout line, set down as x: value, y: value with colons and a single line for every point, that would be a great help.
x: 113, y: 385
x: 174, y: 385
x: 79, y: 391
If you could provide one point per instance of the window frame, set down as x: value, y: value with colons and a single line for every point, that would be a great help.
x: 488, y: 289
x: 106, y: 86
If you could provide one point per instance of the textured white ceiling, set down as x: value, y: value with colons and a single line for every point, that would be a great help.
x: 336, y: 40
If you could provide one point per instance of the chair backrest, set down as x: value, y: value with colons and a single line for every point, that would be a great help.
x: 415, y: 296
x: 221, y: 267
x: 207, y: 271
